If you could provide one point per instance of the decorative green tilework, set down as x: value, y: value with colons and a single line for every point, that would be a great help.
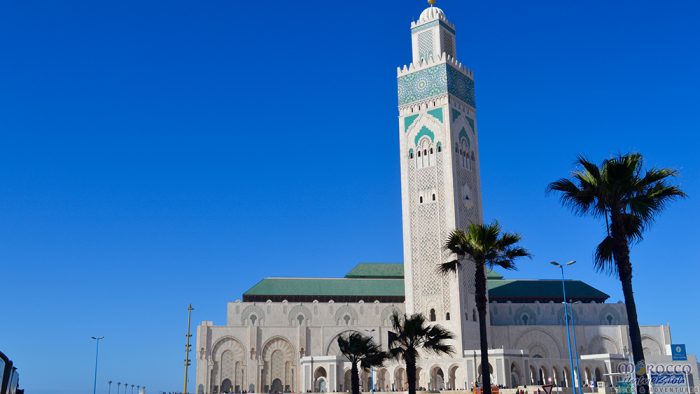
x: 460, y: 86
x: 455, y: 114
x: 433, y: 24
x: 436, y: 113
x: 471, y: 123
x: 424, y: 132
x: 423, y: 84
x: 408, y: 121
x: 435, y: 81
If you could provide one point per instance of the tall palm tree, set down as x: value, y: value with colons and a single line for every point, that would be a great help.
x: 362, y: 352
x: 629, y: 199
x: 410, y: 335
x: 486, y: 247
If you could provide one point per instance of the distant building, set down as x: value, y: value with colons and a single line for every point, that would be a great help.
x: 282, y: 336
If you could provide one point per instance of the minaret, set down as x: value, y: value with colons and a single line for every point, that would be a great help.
x: 440, y: 186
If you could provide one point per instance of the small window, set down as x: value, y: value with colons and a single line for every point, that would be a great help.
x: 300, y: 318
x: 439, y: 149
x: 347, y: 319
x: 447, y: 316
x: 433, y: 317
x: 410, y: 155
x: 433, y: 196
x: 418, y: 153
x: 431, y: 151
x: 253, y: 318
x: 420, y: 199
x: 425, y: 152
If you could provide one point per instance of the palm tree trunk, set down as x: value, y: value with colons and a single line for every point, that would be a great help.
x: 355, y: 378
x: 411, y: 374
x: 480, y: 285
x: 621, y: 253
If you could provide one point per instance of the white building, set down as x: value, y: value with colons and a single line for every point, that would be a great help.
x: 282, y: 335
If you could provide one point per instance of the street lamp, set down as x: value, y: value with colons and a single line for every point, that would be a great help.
x: 97, y: 352
x: 566, y: 317
x: 371, y: 368
x: 109, y: 390
x: 573, y: 329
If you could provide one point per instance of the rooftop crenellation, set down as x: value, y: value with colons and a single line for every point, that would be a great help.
x: 432, y: 61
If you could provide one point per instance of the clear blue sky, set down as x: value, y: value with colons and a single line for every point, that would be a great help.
x: 154, y: 154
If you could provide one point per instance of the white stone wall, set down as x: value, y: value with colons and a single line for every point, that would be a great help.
x: 551, y: 313
x: 296, y: 343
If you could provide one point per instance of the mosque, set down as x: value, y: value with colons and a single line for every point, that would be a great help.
x: 281, y: 337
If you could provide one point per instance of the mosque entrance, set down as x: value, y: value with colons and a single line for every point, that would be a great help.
x: 277, y: 386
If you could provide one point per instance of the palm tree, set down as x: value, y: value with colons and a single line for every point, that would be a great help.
x: 362, y: 352
x: 485, y: 246
x: 629, y: 199
x: 411, y: 334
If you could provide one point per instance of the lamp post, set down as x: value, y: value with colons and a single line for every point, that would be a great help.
x: 371, y: 369
x: 573, y: 330
x: 566, y: 318
x: 119, y: 385
x: 97, y: 352
x: 109, y: 390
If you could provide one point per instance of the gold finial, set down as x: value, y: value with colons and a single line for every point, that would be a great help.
x: 431, y: 2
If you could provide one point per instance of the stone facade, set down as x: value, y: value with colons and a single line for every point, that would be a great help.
x: 289, y: 344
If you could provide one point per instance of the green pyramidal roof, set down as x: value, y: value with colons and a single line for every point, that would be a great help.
x: 542, y: 290
x: 384, y: 282
x: 377, y: 270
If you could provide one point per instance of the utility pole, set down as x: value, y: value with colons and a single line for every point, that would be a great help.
x: 187, y: 345
x: 97, y: 352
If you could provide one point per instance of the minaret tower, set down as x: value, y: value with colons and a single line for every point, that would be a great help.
x: 440, y: 184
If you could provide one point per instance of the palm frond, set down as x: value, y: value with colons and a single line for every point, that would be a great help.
x: 449, y: 267
x: 603, y: 259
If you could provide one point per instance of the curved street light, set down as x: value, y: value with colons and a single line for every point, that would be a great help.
x: 566, y: 318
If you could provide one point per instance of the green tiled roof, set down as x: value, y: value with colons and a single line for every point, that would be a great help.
x: 384, y: 282
x: 390, y: 270
x: 340, y: 289
x: 542, y: 290
x: 377, y: 270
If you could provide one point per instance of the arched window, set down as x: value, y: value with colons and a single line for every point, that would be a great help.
x: 418, y: 153
x: 433, y: 317
x: 433, y: 196
x: 524, y: 319
x: 447, y: 316
x: 253, y: 318
x: 300, y: 319
x: 346, y: 318
x: 420, y: 199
